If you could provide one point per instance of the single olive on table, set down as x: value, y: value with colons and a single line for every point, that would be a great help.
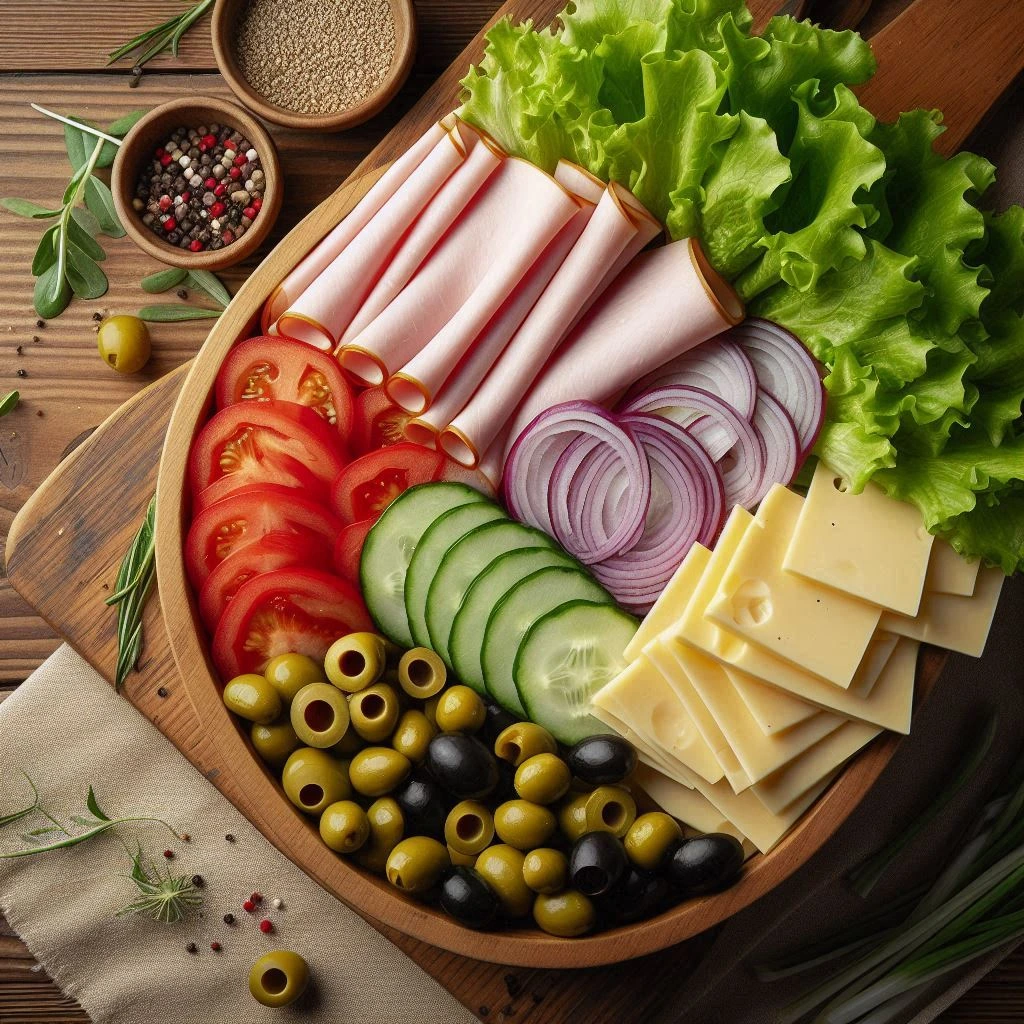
x: 278, y: 978
x: 124, y: 343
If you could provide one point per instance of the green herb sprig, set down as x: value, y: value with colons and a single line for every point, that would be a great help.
x: 134, y: 581
x: 9, y: 402
x: 163, y: 896
x: 155, y: 41
x: 66, y: 261
x: 172, y: 277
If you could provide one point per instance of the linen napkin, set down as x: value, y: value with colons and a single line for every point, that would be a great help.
x: 66, y: 729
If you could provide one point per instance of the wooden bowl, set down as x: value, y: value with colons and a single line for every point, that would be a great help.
x: 137, y: 149
x: 295, y: 834
x: 225, y: 18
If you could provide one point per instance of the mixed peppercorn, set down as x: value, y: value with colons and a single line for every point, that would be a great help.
x: 203, y: 188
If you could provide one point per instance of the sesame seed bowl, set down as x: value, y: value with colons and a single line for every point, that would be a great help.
x: 197, y: 183
x: 315, y: 65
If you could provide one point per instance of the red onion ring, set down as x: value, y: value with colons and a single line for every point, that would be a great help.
x: 781, y: 444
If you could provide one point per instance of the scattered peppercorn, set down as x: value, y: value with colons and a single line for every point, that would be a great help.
x: 192, y: 948
x: 229, y: 918
x: 230, y: 838
x: 484, y: 1011
x: 169, y: 854
x: 256, y: 897
x: 35, y: 339
x: 97, y: 315
x: 182, y: 293
x: 22, y: 372
x: 40, y: 323
x: 185, y: 837
x: 162, y: 692
x: 215, y: 946
x: 278, y: 903
x: 19, y: 350
x: 248, y: 906
x: 266, y: 926
x: 198, y: 881
x: 39, y: 412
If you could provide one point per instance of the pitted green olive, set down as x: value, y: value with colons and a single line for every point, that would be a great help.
x: 387, y: 826
x: 652, y: 839
x: 610, y: 809
x: 572, y: 817
x: 422, y: 673
x: 355, y: 661
x: 566, y: 914
x: 252, y: 697
x: 469, y: 827
x: 278, y: 978
x: 520, y: 742
x: 412, y: 735
x: 319, y: 715
x: 502, y: 868
x: 375, y: 771
x: 543, y: 779
x: 546, y: 870
x: 289, y: 673
x: 460, y: 709
x: 274, y: 742
x: 417, y: 864
x: 344, y: 826
x: 524, y: 825
x: 313, y: 780
x: 374, y: 712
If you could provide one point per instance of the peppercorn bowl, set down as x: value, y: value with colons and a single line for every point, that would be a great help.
x: 151, y: 203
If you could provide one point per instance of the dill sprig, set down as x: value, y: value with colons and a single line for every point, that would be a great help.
x: 163, y: 896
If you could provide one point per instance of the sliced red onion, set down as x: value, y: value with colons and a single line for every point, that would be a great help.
x: 719, y: 366
x: 539, y: 447
x: 730, y: 441
x: 781, y: 445
x: 787, y: 371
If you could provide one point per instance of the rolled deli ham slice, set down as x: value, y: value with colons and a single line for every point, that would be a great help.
x: 320, y: 257
x: 666, y: 302
x: 430, y: 325
x: 610, y: 232
x: 321, y: 313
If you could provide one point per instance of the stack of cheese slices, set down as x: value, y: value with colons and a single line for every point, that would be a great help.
x: 768, y: 662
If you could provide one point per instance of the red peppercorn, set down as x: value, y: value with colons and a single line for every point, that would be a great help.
x: 266, y: 926
x: 249, y: 906
x: 250, y: 212
x: 165, y: 159
x: 215, y: 946
x: 209, y: 140
x: 257, y: 204
x: 165, y: 203
x: 256, y: 897
x: 210, y: 182
x: 168, y: 854
x: 217, y: 209
x: 220, y: 190
x: 186, y: 196
x: 195, y: 245
x: 240, y: 160
x: 227, y: 237
x: 170, y: 225
x: 235, y: 173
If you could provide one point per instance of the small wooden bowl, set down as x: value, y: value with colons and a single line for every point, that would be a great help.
x: 137, y: 149
x: 225, y: 19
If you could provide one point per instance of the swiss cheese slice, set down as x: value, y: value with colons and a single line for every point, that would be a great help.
x: 642, y: 698
x: 950, y: 573
x: 867, y: 545
x: 774, y: 710
x: 956, y: 623
x: 818, y: 629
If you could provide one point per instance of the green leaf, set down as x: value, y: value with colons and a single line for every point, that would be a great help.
x: 86, y: 279
x: 52, y: 294
x: 80, y: 146
x: 8, y: 403
x: 80, y: 237
x: 26, y: 208
x: 87, y: 220
x: 173, y: 313
x: 124, y: 124
x: 211, y: 284
x: 46, y: 252
x: 101, y: 204
x: 163, y: 280
x: 94, y: 807
x: 72, y: 189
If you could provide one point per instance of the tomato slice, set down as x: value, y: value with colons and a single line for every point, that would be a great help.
x: 274, y: 551
x: 247, y: 515
x: 267, y: 369
x: 369, y: 484
x: 378, y: 421
x: 265, y: 442
x: 287, y: 474
x: 348, y: 549
x: 287, y: 610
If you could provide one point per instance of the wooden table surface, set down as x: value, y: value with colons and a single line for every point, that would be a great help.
x: 53, y: 52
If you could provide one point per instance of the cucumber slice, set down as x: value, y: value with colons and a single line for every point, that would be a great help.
x: 564, y: 659
x: 462, y: 563
x: 439, y: 536
x: 528, y: 601
x: 467, y: 635
x: 390, y: 545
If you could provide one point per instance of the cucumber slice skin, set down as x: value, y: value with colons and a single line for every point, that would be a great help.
x: 484, y: 594
x: 448, y: 528
x: 511, y: 619
x: 462, y: 563
x: 390, y: 545
x: 602, y: 627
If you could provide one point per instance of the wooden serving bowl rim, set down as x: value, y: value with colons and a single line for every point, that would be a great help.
x: 148, y: 133
x: 225, y: 13
x: 295, y: 834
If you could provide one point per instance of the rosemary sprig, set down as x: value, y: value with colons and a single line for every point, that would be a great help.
x: 154, y: 41
x: 9, y: 402
x: 134, y: 580
x: 162, y: 896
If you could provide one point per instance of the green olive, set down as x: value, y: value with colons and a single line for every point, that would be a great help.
x: 274, y: 742
x: 417, y: 864
x: 421, y: 673
x: 319, y: 714
x: 278, y: 978
x: 651, y: 839
x: 460, y: 709
x: 502, y: 869
x: 610, y: 809
x: 289, y: 673
x: 566, y: 914
x: 469, y: 827
x: 412, y: 735
x: 461, y: 860
x: 313, y: 780
x: 524, y: 825
x: 349, y: 744
x: 546, y: 870
x: 430, y: 709
x: 387, y: 826
x: 572, y: 817
x: 124, y: 343
x: 250, y: 696
x: 344, y: 826
x: 375, y: 771
x: 523, y: 740
x: 355, y: 661
x: 374, y: 712
x: 543, y: 778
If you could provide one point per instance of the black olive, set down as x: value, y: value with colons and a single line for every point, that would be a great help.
x: 462, y: 765
x: 423, y: 807
x: 468, y: 898
x: 637, y: 895
x: 598, y: 860
x: 602, y: 760
x: 706, y: 863
x: 496, y: 722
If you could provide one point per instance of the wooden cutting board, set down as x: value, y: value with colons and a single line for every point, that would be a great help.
x: 65, y: 546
